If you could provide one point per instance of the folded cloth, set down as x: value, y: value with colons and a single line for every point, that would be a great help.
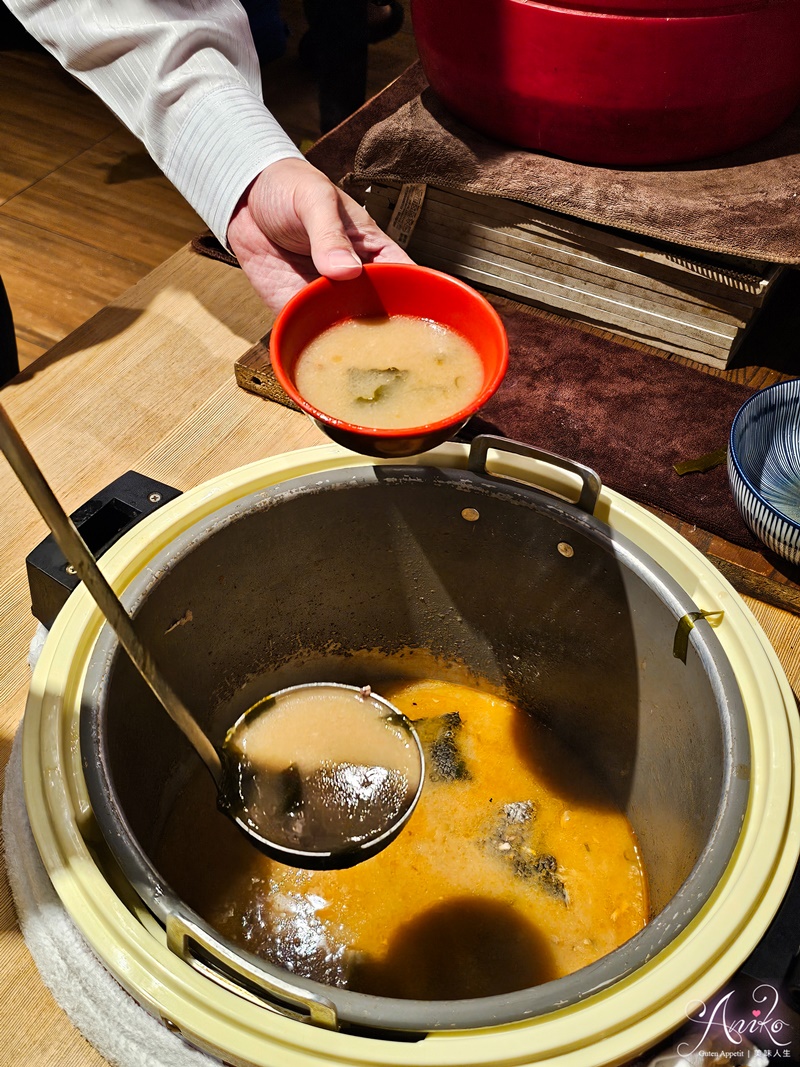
x: 745, y: 203
x: 208, y: 245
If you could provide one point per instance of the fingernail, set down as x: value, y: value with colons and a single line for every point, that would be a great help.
x: 343, y: 257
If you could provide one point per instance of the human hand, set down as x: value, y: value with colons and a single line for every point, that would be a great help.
x: 293, y: 224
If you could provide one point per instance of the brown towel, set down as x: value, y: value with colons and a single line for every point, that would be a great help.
x: 207, y: 245
x: 745, y: 203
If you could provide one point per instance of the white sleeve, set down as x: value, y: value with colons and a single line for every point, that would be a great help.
x: 183, y: 75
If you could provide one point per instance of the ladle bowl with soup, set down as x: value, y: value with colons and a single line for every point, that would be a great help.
x: 393, y: 362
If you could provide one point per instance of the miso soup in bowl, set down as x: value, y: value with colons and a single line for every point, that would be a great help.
x: 393, y: 362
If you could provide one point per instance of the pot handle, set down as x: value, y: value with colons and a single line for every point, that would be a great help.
x: 203, y: 952
x: 590, y: 481
x: 101, y: 521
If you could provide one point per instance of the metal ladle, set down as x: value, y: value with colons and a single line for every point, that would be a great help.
x: 346, y: 841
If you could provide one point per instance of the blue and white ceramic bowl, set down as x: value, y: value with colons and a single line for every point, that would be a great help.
x: 764, y: 466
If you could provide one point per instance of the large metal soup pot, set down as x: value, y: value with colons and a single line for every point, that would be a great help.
x: 534, y: 594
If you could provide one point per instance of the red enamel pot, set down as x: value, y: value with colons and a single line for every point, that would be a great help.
x: 616, y: 82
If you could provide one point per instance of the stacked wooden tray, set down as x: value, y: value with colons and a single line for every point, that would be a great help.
x: 692, y: 303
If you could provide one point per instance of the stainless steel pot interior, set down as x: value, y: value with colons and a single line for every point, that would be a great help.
x: 475, y: 571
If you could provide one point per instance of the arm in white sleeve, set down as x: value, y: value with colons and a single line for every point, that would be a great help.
x: 183, y: 76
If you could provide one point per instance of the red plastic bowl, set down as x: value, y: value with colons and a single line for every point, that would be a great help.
x: 616, y: 82
x: 389, y: 289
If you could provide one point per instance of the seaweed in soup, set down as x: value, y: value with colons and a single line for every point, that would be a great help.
x: 514, y: 839
x: 439, y: 737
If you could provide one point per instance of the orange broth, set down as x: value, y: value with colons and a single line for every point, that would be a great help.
x: 516, y: 867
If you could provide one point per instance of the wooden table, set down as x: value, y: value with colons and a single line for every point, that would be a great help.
x: 147, y: 384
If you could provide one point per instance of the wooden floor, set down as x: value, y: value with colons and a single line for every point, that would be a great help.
x: 84, y: 212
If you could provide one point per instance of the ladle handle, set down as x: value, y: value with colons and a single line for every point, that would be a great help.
x: 79, y: 555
